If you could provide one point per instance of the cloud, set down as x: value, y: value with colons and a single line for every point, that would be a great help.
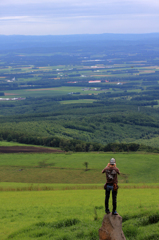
x: 76, y: 8
x: 76, y: 16
x: 14, y: 18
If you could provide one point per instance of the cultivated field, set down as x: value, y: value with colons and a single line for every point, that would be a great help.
x: 49, y: 92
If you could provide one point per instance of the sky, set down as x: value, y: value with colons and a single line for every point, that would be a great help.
x: 65, y: 17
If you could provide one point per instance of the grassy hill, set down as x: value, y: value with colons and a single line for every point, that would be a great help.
x: 76, y: 214
x: 74, y: 206
x: 69, y: 167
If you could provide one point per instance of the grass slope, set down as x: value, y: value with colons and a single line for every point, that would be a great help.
x: 69, y: 168
x: 76, y: 214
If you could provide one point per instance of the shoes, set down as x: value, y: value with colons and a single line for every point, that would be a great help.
x: 114, y: 213
x: 107, y: 211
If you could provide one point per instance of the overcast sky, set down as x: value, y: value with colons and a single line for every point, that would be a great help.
x: 61, y: 17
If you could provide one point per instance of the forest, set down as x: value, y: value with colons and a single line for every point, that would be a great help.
x: 81, y: 93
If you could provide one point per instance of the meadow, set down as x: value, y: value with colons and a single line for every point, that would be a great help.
x: 69, y: 167
x: 55, y: 91
x: 52, y: 196
x: 76, y: 214
x: 78, y: 101
x: 43, y: 92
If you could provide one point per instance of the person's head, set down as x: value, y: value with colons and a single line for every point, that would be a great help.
x: 113, y: 162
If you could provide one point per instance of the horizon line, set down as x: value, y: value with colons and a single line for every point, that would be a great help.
x: 78, y: 34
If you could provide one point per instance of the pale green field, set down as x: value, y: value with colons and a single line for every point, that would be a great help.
x: 35, y: 215
x: 9, y: 144
x: 5, y: 143
x: 69, y: 167
x: 78, y: 101
x: 48, y: 92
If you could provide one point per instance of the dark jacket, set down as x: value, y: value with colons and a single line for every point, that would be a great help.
x: 111, y: 174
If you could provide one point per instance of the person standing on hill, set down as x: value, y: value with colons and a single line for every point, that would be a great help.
x: 111, y: 185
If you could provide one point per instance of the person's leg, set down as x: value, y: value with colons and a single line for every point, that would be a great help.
x: 114, y: 198
x: 107, y: 195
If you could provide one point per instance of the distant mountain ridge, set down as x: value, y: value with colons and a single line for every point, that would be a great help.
x: 74, y: 37
x: 20, y: 41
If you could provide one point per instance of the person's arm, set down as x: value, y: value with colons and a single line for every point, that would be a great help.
x: 103, y: 171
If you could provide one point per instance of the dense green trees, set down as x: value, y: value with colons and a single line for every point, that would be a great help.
x: 73, y: 145
x: 102, y: 122
x: 66, y: 145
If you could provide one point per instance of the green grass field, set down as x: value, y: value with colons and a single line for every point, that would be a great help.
x: 47, y: 92
x: 78, y: 101
x: 69, y: 167
x: 76, y: 214
x: 5, y: 143
x: 51, y: 196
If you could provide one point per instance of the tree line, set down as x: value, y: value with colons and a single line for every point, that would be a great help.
x: 74, y: 144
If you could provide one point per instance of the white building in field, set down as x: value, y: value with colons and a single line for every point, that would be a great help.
x: 96, y: 81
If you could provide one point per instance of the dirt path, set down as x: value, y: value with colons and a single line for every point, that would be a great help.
x: 28, y: 149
